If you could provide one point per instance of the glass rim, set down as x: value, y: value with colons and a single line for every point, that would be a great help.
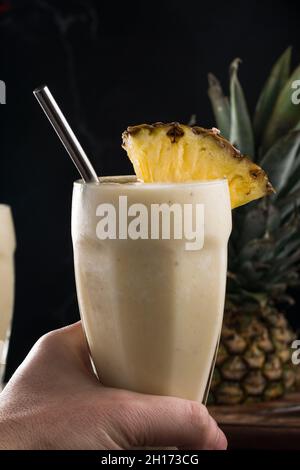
x: 116, y: 180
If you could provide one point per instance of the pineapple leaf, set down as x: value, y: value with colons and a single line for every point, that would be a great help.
x: 252, y: 274
x: 273, y: 219
x: 241, y: 133
x: 287, y: 232
x: 220, y: 105
x: 283, y: 252
x: 264, y: 249
x: 256, y: 249
x: 293, y: 182
x: 289, y: 203
x: 288, y: 262
x: 252, y: 226
x: 279, y: 160
x: 274, y: 84
x: 297, y: 126
x: 285, y: 116
x: 289, y: 248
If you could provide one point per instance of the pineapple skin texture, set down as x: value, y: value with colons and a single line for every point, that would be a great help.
x: 254, y: 360
x: 179, y: 153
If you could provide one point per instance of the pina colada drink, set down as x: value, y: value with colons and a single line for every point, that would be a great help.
x: 151, y: 257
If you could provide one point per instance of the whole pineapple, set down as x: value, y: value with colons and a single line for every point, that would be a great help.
x: 254, y: 360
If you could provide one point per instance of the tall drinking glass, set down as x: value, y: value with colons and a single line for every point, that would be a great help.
x: 150, y: 265
x: 7, y: 281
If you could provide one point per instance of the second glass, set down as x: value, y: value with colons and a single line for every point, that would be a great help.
x: 7, y: 281
x: 152, y: 309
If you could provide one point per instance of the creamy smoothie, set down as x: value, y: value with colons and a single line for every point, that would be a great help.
x: 152, y: 310
x: 7, y: 248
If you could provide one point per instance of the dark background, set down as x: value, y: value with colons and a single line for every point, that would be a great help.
x: 109, y: 65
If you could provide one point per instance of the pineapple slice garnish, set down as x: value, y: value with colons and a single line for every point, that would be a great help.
x: 178, y: 153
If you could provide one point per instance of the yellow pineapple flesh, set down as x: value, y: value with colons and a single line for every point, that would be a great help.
x: 179, y: 153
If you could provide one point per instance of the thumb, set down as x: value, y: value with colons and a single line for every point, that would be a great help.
x: 154, y: 420
x: 170, y: 422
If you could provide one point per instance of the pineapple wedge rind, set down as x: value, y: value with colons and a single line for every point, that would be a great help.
x: 178, y: 153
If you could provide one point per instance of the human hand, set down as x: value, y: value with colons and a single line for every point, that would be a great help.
x: 54, y: 401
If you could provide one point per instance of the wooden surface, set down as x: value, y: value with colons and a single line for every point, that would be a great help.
x: 268, y: 425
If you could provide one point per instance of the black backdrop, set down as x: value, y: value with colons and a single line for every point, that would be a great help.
x: 109, y: 64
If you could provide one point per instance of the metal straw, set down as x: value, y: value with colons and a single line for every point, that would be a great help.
x: 65, y: 133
